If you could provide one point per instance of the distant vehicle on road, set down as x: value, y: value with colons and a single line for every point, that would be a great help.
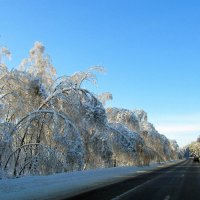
x: 196, y: 159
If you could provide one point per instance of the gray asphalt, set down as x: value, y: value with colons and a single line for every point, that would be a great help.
x: 177, y: 182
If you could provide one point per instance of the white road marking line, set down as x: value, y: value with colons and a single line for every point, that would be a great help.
x: 167, y: 197
x: 133, y: 189
x: 139, y: 186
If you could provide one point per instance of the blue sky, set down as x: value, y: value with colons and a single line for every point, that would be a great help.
x: 150, y: 49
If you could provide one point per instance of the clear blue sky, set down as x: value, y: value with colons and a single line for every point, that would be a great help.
x: 151, y: 50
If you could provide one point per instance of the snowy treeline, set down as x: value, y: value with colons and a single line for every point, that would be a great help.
x: 193, y: 149
x: 151, y: 146
x: 50, y: 125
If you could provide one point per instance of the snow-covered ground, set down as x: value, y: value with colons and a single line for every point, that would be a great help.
x: 66, y: 184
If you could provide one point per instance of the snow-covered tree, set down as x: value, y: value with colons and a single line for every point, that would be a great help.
x: 50, y: 125
x: 4, y: 54
x: 194, y: 149
x: 42, y: 138
x: 127, y: 146
x: 125, y: 117
x: 155, y: 146
x: 104, y: 97
x: 39, y: 64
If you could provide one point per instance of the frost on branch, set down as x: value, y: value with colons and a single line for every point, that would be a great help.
x: 5, y: 145
x: 125, y: 117
x: 156, y: 147
x: 79, y: 77
x: 106, y: 96
x: 127, y: 145
x: 18, y: 90
x: 4, y: 53
x: 89, y: 115
x: 39, y: 65
x: 157, y: 143
x: 44, y: 142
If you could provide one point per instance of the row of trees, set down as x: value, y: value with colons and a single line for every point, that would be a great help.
x: 193, y: 149
x: 50, y: 125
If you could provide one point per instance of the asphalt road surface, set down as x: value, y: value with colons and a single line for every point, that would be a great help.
x: 178, y: 182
